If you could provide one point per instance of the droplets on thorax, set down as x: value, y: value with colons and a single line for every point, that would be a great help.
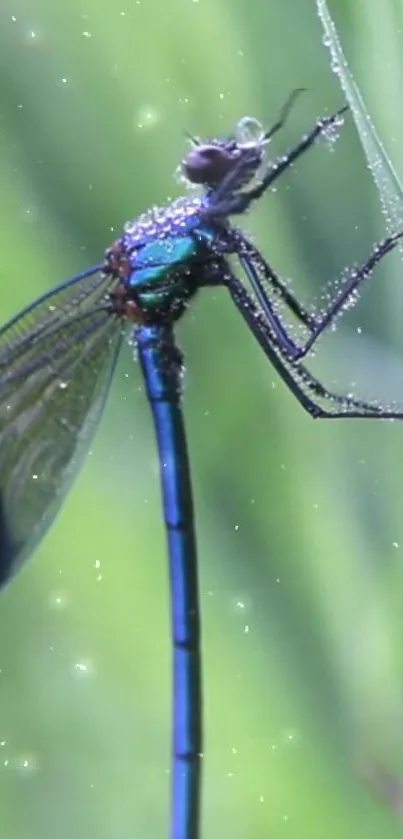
x: 161, y: 221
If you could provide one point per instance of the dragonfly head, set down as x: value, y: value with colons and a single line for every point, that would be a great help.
x: 237, y: 157
x: 209, y: 162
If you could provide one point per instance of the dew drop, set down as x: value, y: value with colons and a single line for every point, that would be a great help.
x: 26, y: 765
x: 147, y: 117
x: 58, y: 600
x: 83, y: 668
x: 249, y: 131
x: 290, y: 737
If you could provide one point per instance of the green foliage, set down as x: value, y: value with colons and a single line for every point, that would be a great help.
x: 300, y: 525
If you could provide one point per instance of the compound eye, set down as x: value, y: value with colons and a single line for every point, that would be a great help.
x: 208, y: 164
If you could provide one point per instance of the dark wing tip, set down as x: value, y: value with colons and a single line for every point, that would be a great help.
x: 9, y: 550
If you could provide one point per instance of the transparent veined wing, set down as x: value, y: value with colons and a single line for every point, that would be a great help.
x: 66, y: 300
x: 56, y: 362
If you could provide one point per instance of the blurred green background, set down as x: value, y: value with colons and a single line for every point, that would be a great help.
x: 300, y: 524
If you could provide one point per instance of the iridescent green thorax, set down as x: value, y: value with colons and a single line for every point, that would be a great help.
x: 168, y: 252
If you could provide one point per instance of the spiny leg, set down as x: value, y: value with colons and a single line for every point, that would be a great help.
x: 244, y: 248
x: 303, y: 385
x: 253, y: 262
x: 271, y: 318
x: 354, y: 278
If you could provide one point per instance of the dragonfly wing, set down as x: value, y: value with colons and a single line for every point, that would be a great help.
x: 52, y: 393
x: 75, y: 295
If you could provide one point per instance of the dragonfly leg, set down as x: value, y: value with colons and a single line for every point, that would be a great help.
x: 349, y: 290
x: 255, y: 265
x: 247, y: 253
x: 313, y: 396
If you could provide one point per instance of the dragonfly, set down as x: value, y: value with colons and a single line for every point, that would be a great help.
x: 58, y: 356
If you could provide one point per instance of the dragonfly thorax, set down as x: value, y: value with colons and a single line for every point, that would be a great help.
x: 174, y: 219
x: 162, y: 259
